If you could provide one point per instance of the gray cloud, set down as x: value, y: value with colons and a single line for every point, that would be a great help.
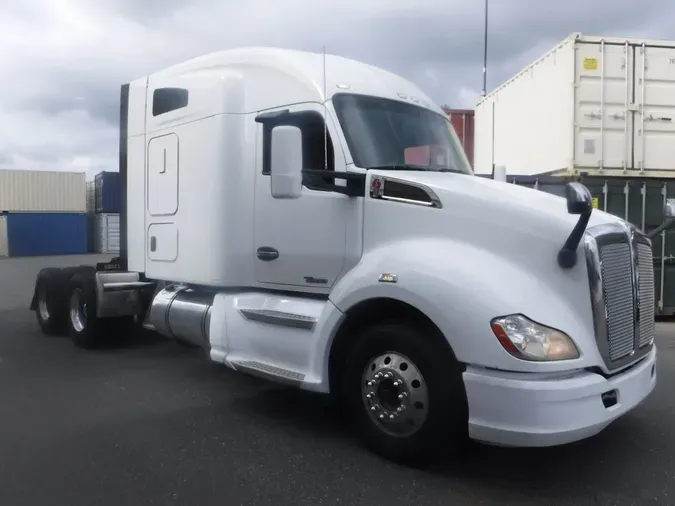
x: 148, y: 11
x: 5, y: 158
x: 67, y: 60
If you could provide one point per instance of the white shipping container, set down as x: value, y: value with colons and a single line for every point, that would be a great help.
x: 107, y: 233
x: 42, y: 191
x: 91, y: 196
x: 4, y: 243
x: 594, y: 105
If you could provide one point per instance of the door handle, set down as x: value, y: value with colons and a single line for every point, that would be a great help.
x: 267, y: 254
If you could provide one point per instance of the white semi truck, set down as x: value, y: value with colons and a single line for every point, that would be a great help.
x: 312, y: 220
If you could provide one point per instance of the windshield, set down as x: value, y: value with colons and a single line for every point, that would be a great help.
x: 389, y: 134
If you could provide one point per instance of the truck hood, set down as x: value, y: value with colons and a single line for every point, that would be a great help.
x: 519, y: 225
x: 485, y: 202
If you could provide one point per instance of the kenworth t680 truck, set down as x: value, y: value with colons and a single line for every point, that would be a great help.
x: 313, y: 220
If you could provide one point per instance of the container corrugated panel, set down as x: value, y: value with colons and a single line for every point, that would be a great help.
x: 108, y: 198
x: 107, y: 233
x: 91, y: 197
x: 42, y: 191
x: 591, y: 105
x: 638, y: 201
x: 36, y: 234
x: 4, y: 250
x: 463, y: 122
x: 91, y: 232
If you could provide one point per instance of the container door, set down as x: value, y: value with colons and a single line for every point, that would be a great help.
x: 604, y: 91
x: 113, y: 233
x: 655, y: 99
x: 4, y: 246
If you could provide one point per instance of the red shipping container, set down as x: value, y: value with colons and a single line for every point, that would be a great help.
x: 462, y: 121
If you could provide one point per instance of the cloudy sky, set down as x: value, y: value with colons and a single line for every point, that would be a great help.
x: 62, y: 61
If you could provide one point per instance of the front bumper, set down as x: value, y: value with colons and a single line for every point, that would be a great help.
x: 514, y: 409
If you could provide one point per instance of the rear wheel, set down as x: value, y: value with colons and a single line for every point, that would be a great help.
x: 405, y: 394
x: 50, y: 310
x: 83, y: 326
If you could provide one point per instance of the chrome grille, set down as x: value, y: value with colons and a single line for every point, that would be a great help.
x: 646, y: 293
x: 617, y: 277
x: 621, y: 275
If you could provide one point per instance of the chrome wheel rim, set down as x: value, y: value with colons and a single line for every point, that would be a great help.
x: 78, y: 310
x: 42, y: 303
x: 395, y: 394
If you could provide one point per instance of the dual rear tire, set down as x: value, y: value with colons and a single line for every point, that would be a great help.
x: 66, y: 305
x: 52, y: 296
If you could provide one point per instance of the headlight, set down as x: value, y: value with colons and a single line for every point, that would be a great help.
x: 528, y: 340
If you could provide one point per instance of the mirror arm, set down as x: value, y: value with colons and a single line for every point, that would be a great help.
x: 668, y: 223
x: 356, y: 183
x: 567, y: 256
x: 579, y: 202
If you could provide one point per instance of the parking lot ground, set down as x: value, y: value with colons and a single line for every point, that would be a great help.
x: 155, y: 423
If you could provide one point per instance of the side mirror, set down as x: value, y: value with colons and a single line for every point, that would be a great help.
x: 669, y: 208
x: 286, y: 162
x: 579, y: 199
x: 668, y: 222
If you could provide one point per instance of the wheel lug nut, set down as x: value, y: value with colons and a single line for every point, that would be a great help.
x: 370, y: 395
x: 381, y: 417
x: 391, y: 417
x: 403, y: 395
x: 400, y: 409
x: 373, y: 408
x: 397, y: 383
x: 388, y: 375
x: 371, y: 383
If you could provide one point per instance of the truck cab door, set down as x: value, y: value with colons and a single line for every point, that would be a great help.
x: 301, y: 243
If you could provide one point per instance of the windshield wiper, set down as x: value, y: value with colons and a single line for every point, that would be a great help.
x: 405, y: 166
x: 448, y: 169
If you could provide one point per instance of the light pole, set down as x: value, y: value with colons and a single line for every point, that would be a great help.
x: 485, y: 48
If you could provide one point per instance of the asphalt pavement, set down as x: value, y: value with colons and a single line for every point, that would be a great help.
x: 156, y: 423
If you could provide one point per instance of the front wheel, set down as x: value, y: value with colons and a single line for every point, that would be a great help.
x: 405, y: 394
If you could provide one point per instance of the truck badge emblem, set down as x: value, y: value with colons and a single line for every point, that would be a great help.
x: 377, y: 187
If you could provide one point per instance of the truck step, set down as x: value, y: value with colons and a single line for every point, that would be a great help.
x: 270, y: 372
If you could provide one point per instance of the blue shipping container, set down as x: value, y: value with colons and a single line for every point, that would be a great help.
x: 35, y: 234
x: 107, y: 192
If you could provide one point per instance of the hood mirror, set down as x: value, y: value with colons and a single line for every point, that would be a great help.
x: 668, y: 222
x: 579, y: 199
x: 669, y: 208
